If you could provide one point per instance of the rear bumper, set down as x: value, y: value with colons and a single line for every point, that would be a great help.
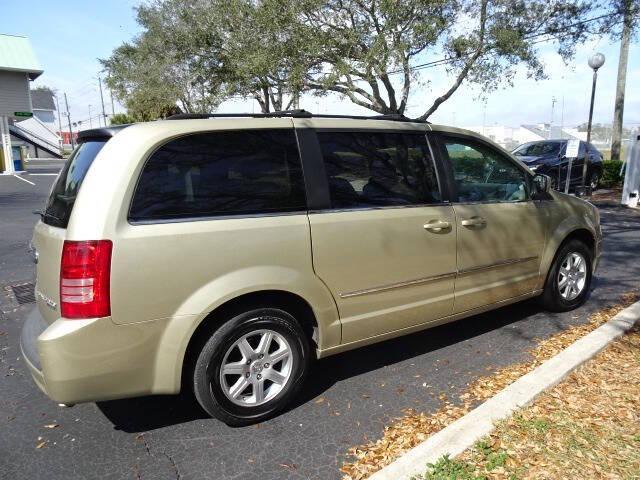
x: 34, y: 325
x: 75, y: 361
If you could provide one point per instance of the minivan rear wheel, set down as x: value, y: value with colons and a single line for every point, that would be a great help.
x: 569, y: 278
x: 251, y: 367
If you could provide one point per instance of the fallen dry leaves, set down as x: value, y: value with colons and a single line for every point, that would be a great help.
x: 588, y: 426
x: 414, y: 427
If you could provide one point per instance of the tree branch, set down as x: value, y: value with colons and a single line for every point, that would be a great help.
x: 465, y: 71
x: 406, y: 85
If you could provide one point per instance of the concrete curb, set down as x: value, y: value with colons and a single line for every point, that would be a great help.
x: 464, y: 432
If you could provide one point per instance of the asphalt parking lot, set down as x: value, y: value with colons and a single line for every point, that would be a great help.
x: 347, y: 400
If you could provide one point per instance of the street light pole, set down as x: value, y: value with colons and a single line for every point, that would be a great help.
x: 595, y: 62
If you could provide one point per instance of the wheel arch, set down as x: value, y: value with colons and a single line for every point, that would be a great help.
x: 577, y: 233
x: 290, y: 302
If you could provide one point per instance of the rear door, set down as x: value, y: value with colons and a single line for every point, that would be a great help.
x: 50, y: 232
x: 384, y: 244
x: 501, y: 230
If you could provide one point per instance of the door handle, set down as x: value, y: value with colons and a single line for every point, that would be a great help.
x: 474, y: 222
x: 437, y: 225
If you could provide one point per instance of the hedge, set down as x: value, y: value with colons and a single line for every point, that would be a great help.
x: 611, y: 174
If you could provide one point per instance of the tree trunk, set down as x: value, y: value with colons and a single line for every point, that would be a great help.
x: 616, y: 137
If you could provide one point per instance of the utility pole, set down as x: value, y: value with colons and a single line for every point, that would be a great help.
x: 90, y: 122
x: 618, y: 113
x: 113, y: 109
x: 59, y: 121
x: 484, y: 117
x: 73, y: 144
x: 553, y: 104
x: 104, y: 115
x: 562, y: 118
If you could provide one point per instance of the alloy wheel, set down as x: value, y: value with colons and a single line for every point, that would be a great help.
x: 572, y: 276
x: 256, y: 368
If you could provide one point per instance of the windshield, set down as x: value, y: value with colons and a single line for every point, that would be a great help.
x: 537, y: 149
x: 64, y: 192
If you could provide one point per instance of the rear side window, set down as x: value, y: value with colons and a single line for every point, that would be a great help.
x: 64, y: 191
x: 377, y: 169
x: 221, y: 173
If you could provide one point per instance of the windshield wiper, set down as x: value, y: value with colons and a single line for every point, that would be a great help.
x: 45, y: 214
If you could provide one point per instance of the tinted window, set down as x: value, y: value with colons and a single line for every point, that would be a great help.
x: 538, y: 149
x: 221, y: 173
x: 484, y: 175
x: 378, y: 169
x: 64, y: 192
x: 581, y: 150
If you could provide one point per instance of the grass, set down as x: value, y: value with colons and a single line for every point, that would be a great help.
x: 448, y: 469
x: 588, y: 426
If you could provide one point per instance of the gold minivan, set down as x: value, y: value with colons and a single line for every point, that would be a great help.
x: 223, y: 253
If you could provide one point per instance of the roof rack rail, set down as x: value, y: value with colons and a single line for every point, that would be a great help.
x: 292, y: 114
x: 283, y: 113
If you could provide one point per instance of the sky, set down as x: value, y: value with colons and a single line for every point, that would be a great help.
x: 69, y: 37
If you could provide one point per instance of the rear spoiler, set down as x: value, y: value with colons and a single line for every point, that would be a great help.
x: 101, y: 134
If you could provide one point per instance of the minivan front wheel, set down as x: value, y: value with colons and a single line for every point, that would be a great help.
x: 569, y: 278
x: 251, y: 367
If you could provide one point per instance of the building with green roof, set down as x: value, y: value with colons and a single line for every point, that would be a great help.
x: 18, y: 67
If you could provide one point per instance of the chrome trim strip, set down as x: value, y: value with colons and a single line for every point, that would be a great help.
x: 496, y: 265
x: 420, y: 281
x: 392, y: 286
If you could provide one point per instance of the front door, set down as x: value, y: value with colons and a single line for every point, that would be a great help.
x: 386, y: 248
x: 501, y: 230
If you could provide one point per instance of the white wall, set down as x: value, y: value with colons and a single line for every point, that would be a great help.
x: 15, y: 95
x: 525, y: 135
x: 47, y: 117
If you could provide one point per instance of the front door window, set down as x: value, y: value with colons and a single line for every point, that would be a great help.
x: 483, y: 175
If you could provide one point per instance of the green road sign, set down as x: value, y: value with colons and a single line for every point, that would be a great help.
x: 23, y: 114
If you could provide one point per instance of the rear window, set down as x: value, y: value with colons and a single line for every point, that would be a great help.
x: 221, y: 173
x: 64, y: 191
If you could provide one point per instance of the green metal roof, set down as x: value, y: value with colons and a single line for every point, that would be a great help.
x: 16, y: 55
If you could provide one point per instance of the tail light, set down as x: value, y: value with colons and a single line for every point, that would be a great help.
x: 85, y: 274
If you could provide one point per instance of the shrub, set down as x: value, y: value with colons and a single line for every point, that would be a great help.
x: 611, y: 174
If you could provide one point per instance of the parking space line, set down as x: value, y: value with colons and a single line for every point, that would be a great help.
x: 42, y: 174
x: 23, y: 179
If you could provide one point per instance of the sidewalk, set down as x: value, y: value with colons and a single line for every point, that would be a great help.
x: 588, y: 426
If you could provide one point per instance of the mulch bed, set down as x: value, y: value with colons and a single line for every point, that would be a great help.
x: 415, y: 427
x: 588, y: 426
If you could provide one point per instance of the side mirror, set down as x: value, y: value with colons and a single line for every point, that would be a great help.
x: 541, y: 184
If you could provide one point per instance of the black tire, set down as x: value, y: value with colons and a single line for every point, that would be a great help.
x: 206, y: 372
x: 551, y: 298
x: 594, y: 180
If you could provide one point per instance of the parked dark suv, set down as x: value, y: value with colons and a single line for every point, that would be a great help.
x: 548, y: 157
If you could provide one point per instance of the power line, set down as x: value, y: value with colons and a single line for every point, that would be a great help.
x: 446, y: 60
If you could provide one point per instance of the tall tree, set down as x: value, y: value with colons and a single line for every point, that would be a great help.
x: 369, y: 48
x: 262, y: 49
x: 166, y: 68
x: 629, y: 11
